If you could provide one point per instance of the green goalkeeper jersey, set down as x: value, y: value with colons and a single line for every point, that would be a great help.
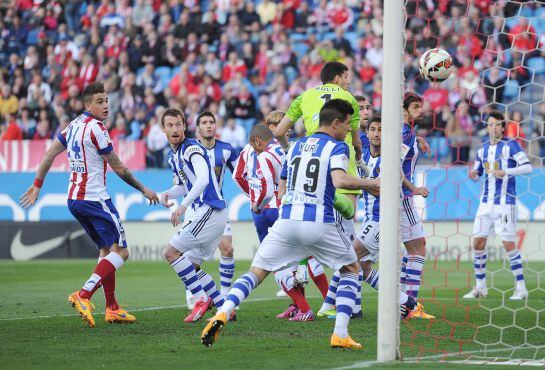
x: 309, y: 103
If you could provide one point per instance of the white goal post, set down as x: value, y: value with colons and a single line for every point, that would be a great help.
x: 392, y: 91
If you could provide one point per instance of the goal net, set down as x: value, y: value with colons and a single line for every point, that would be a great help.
x: 499, y: 52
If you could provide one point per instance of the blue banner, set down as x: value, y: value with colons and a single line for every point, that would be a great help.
x: 453, y: 196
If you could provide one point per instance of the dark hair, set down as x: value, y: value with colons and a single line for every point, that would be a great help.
x: 335, y: 109
x: 375, y: 118
x: 261, y: 131
x: 330, y: 70
x: 360, y: 98
x: 206, y: 113
x: 92, y: 89
x: 172, y: 112
x: 498, y: 116
x: 410, y: 98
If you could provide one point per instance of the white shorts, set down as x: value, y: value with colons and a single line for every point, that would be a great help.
x: 348, y: 227
x: 496, y: 219
x: 290, y: 241
x: 369, y: 237
x: 411, y: 225
x: 227, y: 231
x: 200, y: 234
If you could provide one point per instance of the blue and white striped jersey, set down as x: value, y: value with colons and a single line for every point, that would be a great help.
x: 371, y: 202
x: 409, y: 155
x: 506, y: 154
x: 221, y: 156
x: 309, y: 186
x: 180, y: 162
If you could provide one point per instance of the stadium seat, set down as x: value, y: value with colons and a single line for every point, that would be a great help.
x: 163, y: 74
x: 140, y: 71
x: 537, y: 64
x: 296, y: 37
x: 300, y: 49
x: 174, y: 71
x: 511, y: 90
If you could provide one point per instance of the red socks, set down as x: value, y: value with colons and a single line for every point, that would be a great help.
x: 298, y: 297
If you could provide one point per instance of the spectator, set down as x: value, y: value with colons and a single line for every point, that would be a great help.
x: 9, y: 103
x: 43, y: 129
x: 266, y: 11
x: 11, y: 131
x: 234, y: 134
x: 38, y: 88
x: 156, y: 143
x: 513, y: 129
x: 27, y: 124
x: 459, y: 132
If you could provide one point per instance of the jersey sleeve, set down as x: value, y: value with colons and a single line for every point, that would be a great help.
x: 407, y: 142
x: 518, y: 154
x: 266, y: 173
x: 339, y: 157
x: 478, y: 165
x: 240, y: 172
x: 295, y: 110
x: 176, y: 179
x: 191, y: 150
x: 62, y: 136
x: 101, y: 139
x: 355, y: 120
x: 231, y: 161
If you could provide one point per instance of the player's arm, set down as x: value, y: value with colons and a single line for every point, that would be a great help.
x: 416, y: 190
x: 523, y: 166
x: 342, y: 180
x: 126, y: 175
x: 281, y: 188
x: 292, y: 115
x: 477, y: 170
x: 423, y: 145
x: 240, y: 173
x: 31, y: 194
x: 232, y: 160
x: 201, y: 182
x: 267, y: 183
x: 355, y: 129
x: 356, y: 141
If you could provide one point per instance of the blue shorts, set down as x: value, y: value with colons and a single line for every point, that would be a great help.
x: 100, y: 220
x: 263, y: 221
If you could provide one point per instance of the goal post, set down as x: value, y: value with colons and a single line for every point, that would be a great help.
x: 392, y: 90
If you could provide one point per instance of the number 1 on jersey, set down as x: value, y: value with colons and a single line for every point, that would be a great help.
x: 326, y: 98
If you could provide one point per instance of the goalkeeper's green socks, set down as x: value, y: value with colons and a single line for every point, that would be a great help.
x: 343, y: 204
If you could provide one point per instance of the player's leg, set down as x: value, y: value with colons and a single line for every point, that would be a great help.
x: 328, y: 307
x: 101, y: 222
x: 482, y: 227
x: 202, y: 239
x: 506, y: 228
x: 286, y: 281
x: 327, y: 243
x: 318, y: 276
x: 278, y: 249
x: 227, y: 261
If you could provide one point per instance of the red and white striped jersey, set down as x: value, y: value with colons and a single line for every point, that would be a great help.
x: 86, y: 139
x: 245, y: 168
x: 269, y: 167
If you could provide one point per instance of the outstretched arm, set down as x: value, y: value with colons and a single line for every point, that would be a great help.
x: 31, y: 194
x: 126, y: 175
x: 416, y: 190
x: 342, y: 180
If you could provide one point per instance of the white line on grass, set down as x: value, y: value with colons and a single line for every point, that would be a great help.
x: 364, y: 364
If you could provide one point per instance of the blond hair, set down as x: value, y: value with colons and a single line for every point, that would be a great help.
x: 274, y: 117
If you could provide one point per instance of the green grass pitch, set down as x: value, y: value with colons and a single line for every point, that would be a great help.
x: 38, y: 329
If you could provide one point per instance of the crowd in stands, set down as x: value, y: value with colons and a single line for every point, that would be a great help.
x: 242, y: 59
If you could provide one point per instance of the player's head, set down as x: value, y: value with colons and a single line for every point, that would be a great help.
x: 173, y: 125
x: 273, y: 119
x: 206, y: 124
x: 334, y: 118
x: 95, y: 100
x: 335, y: 73
x: 366, y: 111
x: 374, y: 130
x: 260, y: 136
x: 495, y: 124
x: 412, y: 107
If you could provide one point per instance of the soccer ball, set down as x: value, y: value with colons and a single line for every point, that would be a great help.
x: 435, y: 65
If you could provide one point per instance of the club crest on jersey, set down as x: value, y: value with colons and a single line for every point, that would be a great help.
x: 259, y: 173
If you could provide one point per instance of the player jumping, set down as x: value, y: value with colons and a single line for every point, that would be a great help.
x: 499, y: 160
x: 89, y: 150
